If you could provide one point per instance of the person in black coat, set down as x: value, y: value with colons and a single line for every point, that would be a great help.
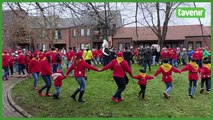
x: 147, y: 57
x: 127, y: 56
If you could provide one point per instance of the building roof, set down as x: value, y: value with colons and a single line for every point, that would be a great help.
x: 174, y: 32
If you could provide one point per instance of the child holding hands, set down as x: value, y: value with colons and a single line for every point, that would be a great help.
x: 142, y: 81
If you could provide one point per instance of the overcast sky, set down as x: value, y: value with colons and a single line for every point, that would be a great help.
x: 128, y: 14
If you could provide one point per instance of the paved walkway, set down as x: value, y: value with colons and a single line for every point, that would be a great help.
x: 8, y: 110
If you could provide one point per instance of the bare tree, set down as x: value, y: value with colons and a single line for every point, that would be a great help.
x: 157, y: 16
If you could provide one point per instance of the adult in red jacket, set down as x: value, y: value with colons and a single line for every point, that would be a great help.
x: 193, y: 69
x: 54, y: 62
x: 174, y: 57
x: 166, y: 69
x: 11, y: 63
x: 119, y: 67
x: 164, y: 54
x: 142, y: 81
x: 5, y: 64
x: 46, y: 73
x: 79, y: 66
x: 21, y: 63
x: 70, y: 54
x: 206, y: 76
x: 34, y: 69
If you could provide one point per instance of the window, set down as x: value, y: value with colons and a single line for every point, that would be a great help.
x: 198, y: 44
x: 127, y: 45
x: 82, y: 46
x: 74, y: 33
x: 88, y: 32
x: 43, y: 47
x: 191, y: 45
x: 120, y: 46
x: 57, y: 34
x: 38, y: 46
x: 42, y: 34
x: 82, y: 32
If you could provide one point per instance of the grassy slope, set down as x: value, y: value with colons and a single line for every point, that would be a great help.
x: 100, y: 88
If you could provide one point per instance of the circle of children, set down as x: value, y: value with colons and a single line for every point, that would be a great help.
x: 48, y: 64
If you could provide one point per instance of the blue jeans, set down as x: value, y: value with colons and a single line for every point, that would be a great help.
x: 192, y: 87
x: 36, y: 78
x: 153, y: 59
x: 174, y: 63
x: 48, y: 83
x: 55, y: 67
x: 21, y: 69
x: 95, y: 60
x: 82, y: 83
x: 168, y: 87
x: 121, y: 84
x: 58, y: 90
x: 6, y: 72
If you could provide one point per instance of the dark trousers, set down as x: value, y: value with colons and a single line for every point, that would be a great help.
x: 142, y: 91
x: 106, y: 60
x: 147, y: 62
x: 121, y: 84
x: 48, y: 83
x: 89, y: 62
x: 6, y: 72
x: 21, y: 69
x: 207, y: 83
x: 11, y: 70
x: 184, y: 62
x: 55, y: 67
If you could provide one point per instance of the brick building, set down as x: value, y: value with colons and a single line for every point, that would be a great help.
x: 177, y: 36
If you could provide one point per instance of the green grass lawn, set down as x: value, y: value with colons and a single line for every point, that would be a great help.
x: 99, y: 90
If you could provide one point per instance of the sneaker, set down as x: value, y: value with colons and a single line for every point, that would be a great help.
x: 49, y: 95
x: 201, y: 91
x: 120, y: 99
x: 115, y: 100
x: 166, y: 95
x: 40, y: 94
x: 191, y: 96
x: 207, y: 92
x: 18, y: 76
x: 35, y: 88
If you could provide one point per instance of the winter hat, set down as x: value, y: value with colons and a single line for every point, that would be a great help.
x: 119, y: 54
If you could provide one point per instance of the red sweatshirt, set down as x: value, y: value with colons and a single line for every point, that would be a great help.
x: 164, y: 54
x: 21, y: 59
x: 12, y: 61
x: 118, y: 69
x: 34, y: 66
x: 167, y: 76
x: 193, y: 73
x: 80, y: 69
x: 5, y: 60
x: 196, y: 55
x: 70, y: 54
x: 45, y: 67
x: 53, y: 57
x: 205, y: 72
x: 143, y: 80
x: 57, y: 77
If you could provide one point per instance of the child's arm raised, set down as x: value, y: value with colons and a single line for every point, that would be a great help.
x: 158, y: 72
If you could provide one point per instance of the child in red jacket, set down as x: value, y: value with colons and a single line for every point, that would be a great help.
x: 142, y: 81
x: 193, y: 69
x: 58, y: 77
x: 205, y: 76
x: 166, y: 69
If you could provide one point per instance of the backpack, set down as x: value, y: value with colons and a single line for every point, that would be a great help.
x: 58, y: 57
